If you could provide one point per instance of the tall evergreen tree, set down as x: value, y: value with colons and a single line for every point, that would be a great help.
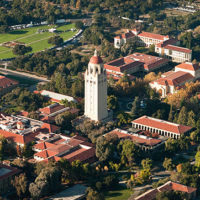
x: 135, y: 107
x: 191, y: 119
x: 171, y: 114
x: 182, y: 117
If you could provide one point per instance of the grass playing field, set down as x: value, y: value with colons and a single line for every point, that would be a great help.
x: 30, y: 37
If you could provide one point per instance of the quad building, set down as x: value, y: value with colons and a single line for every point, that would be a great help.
x: 134, y: 63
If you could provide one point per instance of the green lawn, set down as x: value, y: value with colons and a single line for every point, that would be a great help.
x: 119, y: 193
x: 28, y: 36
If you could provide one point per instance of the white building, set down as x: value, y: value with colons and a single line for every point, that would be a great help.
x: 170, y: 49
x: 96, y: 89
x: 143, y: 38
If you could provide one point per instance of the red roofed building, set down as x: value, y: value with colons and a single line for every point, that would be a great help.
x: 161, y: 127
x: 6, y: 85
x: 70, y: 148
x: 134, y: 63
x: 172, y: 81
x: 170, y: 49
x: 169, y: 186
x: 49, y: 113
x: 164, y: 45
x: 144, y: 142
x: 49, y: 128
x: 7, y: 173
x: 22, y: 131
x: 143, y: 38
x: 19, y: 139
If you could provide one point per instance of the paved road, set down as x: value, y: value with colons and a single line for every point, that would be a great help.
x: 23, y: 75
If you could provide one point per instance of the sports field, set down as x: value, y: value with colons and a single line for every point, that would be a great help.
x: 30, y: 37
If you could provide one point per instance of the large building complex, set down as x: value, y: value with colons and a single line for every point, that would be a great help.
x: 134, y: 63
x: 96, y: 89
x: 161, y: 127
x: 172, y: 81
x: 60, y: 146
x: 164, y: 46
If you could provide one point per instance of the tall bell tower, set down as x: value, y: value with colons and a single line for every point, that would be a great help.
x: 96, y: 89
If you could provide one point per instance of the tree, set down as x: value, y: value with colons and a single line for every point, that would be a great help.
x: 64, y: 120
x: 94, y: 195
x: 123, y: 118
x: 171, y: 114
x: 129, y: 47
x: 56, y: 40
x: 48, y: 181
x: 3, y: 142
x: 27, y: 151
x: 21, y: 49
x: 182, y: 117
x: 146, y: 163
x: 135, y: 107
x: 197, y: 159
x: 128, y: 151
x: 79, y: 25
x: 112, y: 102
x: 103, y: 149
x: 171, y: 145
x: 167, y: 164
x: 20, y: 183
x: 170, y: 195
x: 34, y: 115
x: 191, y: 119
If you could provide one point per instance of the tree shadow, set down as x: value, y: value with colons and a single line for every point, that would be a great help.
x: 114, y: 194
x: 18, y: 32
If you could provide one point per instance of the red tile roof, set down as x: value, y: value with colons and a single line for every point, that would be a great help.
x: 182, y: 188
x: 75, y: 148
x: 166, y: 42
x: 169, y: 186
x: 6, y: 82
x: 52, y: 108
x: 175, y: 79
x: 179, y: 49
x: 140, y: 60
x: 189, y: 66
x: 128, y: 35
x: 49, y: 128
x: 17, y: 138
x: 137, y: 139
x: 43, y: 145
x: 162, y: 125
x: 153, y: 35
x: 83, y: 156
x: 45, y: 154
